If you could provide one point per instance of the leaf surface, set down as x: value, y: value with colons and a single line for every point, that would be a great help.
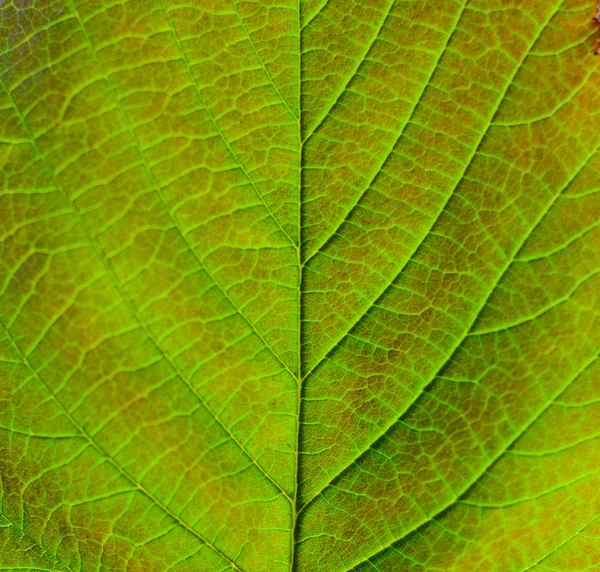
x: 299, y: 286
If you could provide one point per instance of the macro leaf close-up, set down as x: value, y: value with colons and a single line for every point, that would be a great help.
x: 299, y: 285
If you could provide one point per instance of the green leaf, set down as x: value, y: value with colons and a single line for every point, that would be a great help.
x: 308, y: 286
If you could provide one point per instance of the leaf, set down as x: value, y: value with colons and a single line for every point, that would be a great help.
x: 306, y: 286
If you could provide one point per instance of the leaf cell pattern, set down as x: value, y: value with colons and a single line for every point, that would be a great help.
x: 299, y: 285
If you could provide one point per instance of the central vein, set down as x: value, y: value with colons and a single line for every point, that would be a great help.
x: 300, y: 261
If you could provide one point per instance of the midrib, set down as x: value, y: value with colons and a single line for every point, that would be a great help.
x: 300, y: 261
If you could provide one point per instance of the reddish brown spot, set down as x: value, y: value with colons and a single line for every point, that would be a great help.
x: 597, y: 21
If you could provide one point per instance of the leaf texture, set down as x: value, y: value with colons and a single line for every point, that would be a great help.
x: 300, y: 285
